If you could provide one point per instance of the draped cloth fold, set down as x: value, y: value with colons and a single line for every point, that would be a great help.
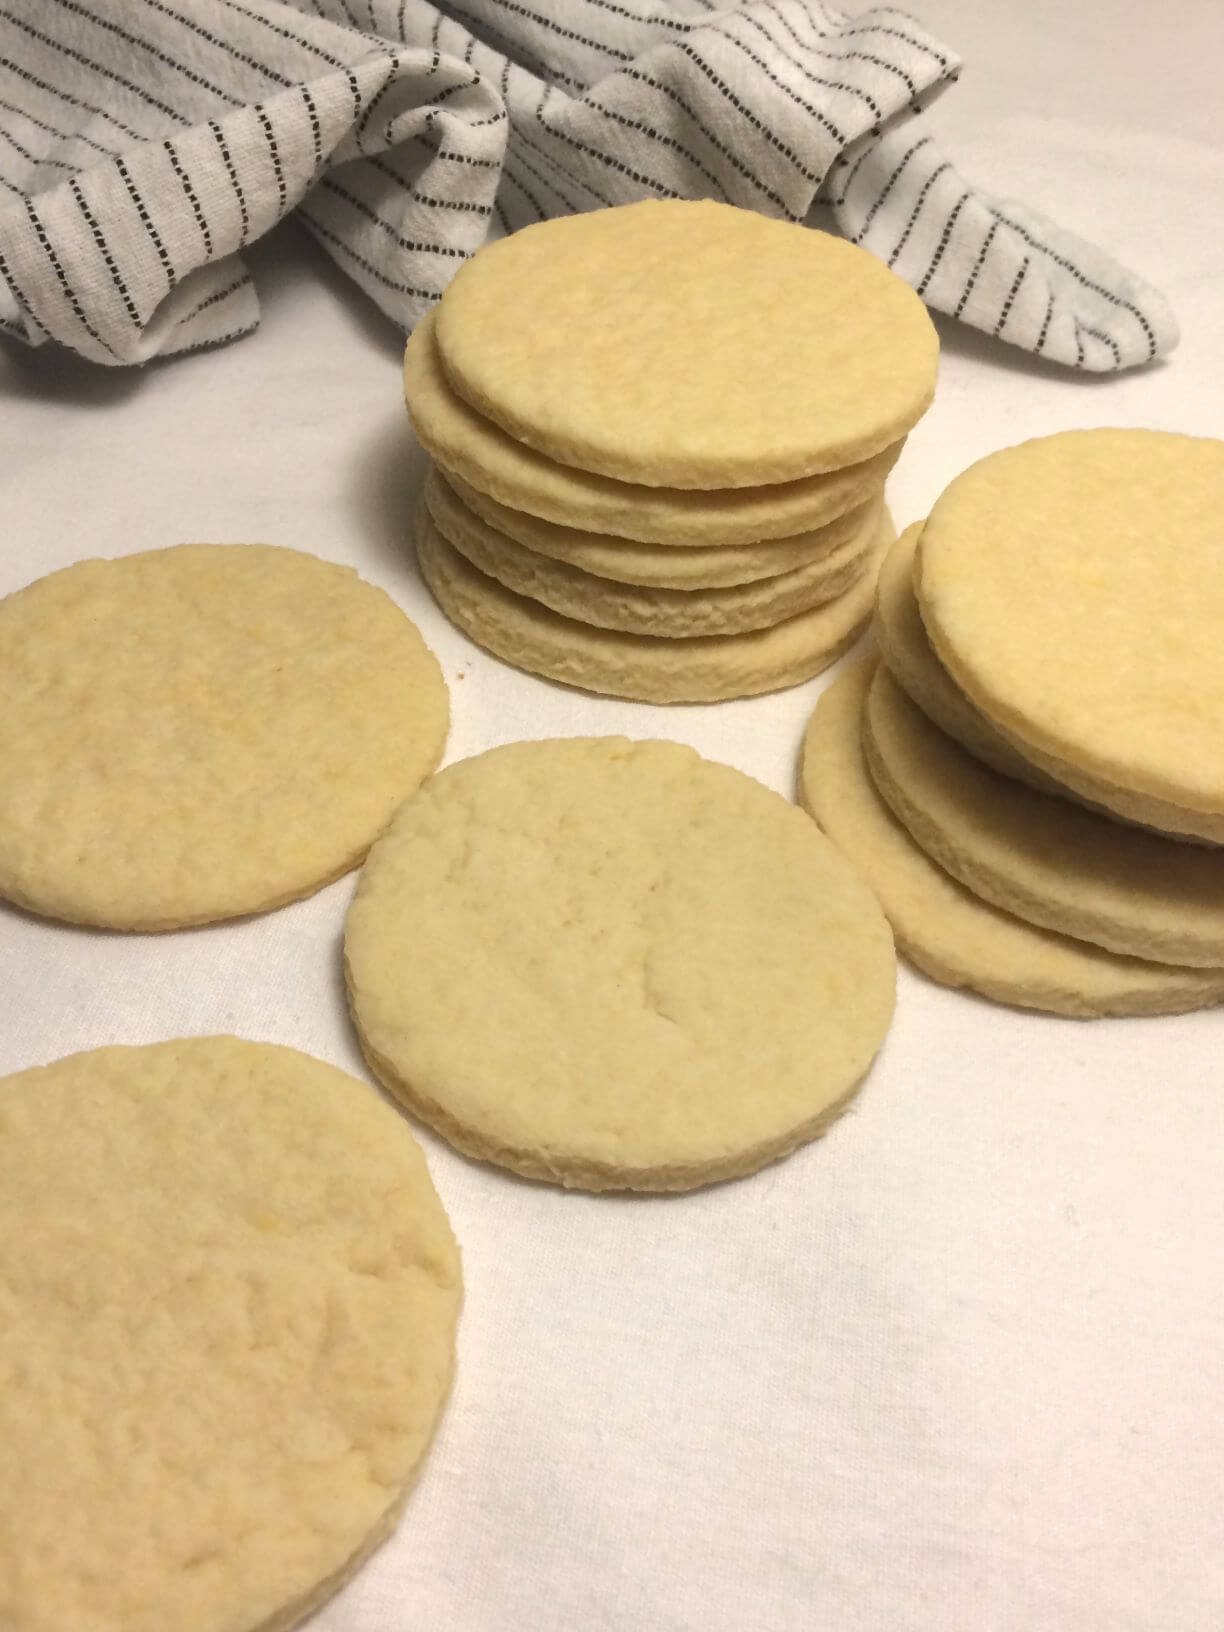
x: 143, y: 146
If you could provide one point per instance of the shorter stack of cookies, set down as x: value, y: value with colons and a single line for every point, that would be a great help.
x: 1033, y: 779
x: 660, y: 435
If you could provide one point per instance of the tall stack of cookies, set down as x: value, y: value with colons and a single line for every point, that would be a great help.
x: 659, y: 438
x: 1033, y: 779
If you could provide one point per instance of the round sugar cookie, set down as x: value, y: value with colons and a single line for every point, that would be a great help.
x: 228, y: 1299
x: 675, y: 613
x: 664, y: 566
x: 910, y: 659
x: 689, y: 344
x: 615, y: 965
x: 944, y: 929
x: 199, y: 732
x: 1041, y: 857
x: 471, y: 447
x: 1074, y: 589
x: 646, y: 668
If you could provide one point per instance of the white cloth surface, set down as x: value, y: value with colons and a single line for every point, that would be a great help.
x: 143, y: 147
x: 956, y: 1366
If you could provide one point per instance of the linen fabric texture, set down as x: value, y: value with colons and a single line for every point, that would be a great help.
x: 143, y: 146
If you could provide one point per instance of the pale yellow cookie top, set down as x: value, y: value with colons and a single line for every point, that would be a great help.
x: 203, y: 731
x: 1044, y: 858
x: 663, y: 566
x: 951, y: 934
x: 674, y: 613
x: 688, y: 343
x: 1074, y: 588
x: 615, y: 964
x: 228, y: 1301
x: 468, y: 445
x: 911, y: 660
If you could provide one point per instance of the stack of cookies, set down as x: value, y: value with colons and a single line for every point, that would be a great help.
x: 1033, y: 779
x: 660, y: 435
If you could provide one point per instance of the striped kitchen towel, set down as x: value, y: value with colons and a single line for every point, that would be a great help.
x: 144, y: 143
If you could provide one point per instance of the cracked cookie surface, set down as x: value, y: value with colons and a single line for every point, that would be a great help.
x: 228, y: 1298
x: 615, y: 965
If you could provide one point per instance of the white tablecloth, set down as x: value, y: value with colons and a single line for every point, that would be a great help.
x: 959, y: 1364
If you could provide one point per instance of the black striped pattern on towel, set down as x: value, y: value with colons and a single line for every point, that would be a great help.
x: 143, y: 145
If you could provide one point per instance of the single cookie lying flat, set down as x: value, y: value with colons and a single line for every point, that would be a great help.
x: 668, y: 566
x: 567, y: 336
x: 948, y: 932
x: 1040, y: 857
x: 615, y: 965
x: 471, y: 447
x: 199, y: 732
x: 1074, y: 589
x: 228, y: 1298
x: 644, y: 667
x: 676, y: 613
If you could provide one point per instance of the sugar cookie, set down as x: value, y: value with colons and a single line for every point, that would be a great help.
x: 1040, y: 857
x: 1074, y: 589
x: 646, y: 668
x: 948, y: 932
x: 910, y: 659
x: 228, y: 1298
x: 471, y: 447
x: 615, y: 965
x: 194, y: 733
x: 765, y: 352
